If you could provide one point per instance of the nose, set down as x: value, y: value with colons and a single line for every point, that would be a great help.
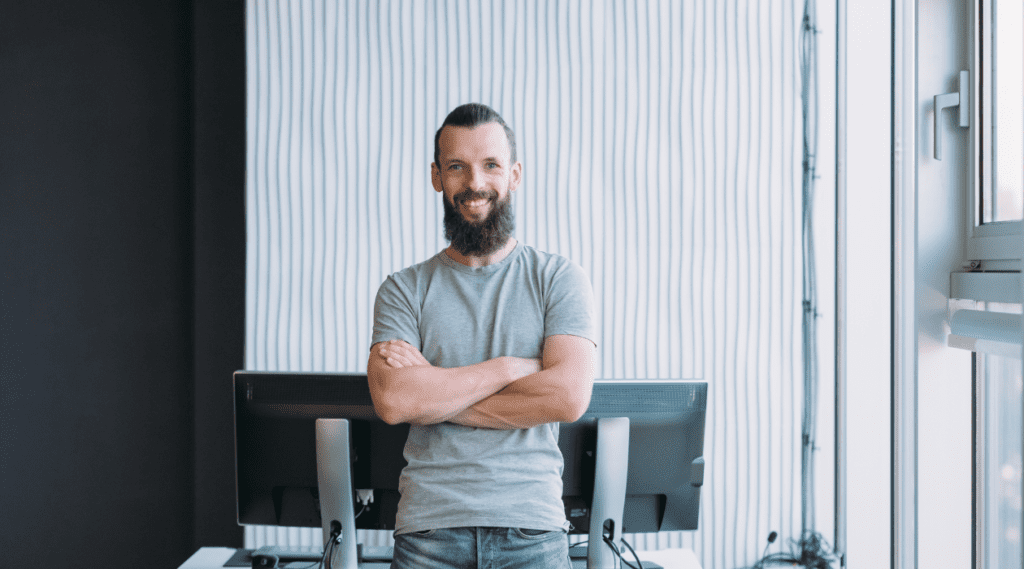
x: 475, y: 179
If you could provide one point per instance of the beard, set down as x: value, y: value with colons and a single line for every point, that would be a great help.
x: 479, y: 238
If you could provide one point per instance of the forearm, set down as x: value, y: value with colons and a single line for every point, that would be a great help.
x: 558, y: 393
x: 407, y: 389
x: 428, y: 394
x: 549, y: 396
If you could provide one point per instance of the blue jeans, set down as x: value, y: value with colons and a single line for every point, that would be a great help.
x: 482, y: 548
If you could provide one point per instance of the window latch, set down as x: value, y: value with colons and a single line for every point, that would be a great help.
x: 946, y: 100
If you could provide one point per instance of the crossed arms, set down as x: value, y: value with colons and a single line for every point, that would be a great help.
x: 501, y: 393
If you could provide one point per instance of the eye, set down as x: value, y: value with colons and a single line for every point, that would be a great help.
x: 455, y: 167
x: 493, y: 165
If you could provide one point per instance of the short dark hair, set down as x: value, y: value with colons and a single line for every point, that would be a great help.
x: 473, y: 115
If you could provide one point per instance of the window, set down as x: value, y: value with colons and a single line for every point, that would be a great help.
x: 999, y: 460
x: 997, y: 185
x: 985, y: 301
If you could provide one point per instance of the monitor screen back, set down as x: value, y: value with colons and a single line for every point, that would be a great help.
x: 275, y: 450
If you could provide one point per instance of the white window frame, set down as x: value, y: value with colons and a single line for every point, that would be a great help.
x: 1000, y: 240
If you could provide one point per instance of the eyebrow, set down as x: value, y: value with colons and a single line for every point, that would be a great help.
x: 461, y: 161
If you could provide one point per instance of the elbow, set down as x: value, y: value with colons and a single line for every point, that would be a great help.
x: 387, y: 414
x: 393, y: 406
x: 573, y: 412
x: 385, y: 402
x: 388, y: 409
x: 575, y: 406
x: 577, y: 400
x: 579, y: 388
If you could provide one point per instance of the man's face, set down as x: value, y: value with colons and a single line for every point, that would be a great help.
x: 476, y: 181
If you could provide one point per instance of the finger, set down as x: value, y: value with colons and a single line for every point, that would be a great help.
x: 389, y: 358
x: 397, y: 357
x: 402, y: 360
x: 406, y: 351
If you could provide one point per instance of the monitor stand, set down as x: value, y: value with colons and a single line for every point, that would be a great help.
x: 611, y: 471
x: 334, y: 479
x: 609, y: 500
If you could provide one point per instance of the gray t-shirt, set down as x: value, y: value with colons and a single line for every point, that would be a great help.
x: 456, y: 315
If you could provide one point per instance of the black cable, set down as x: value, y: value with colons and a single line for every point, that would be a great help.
x: 809, y: 100
x: 328, y: 557
x: 621, y: 558
x: 635, y: 556
x: 610, y: 544
x: 325, y: 559
x: 335, y: 539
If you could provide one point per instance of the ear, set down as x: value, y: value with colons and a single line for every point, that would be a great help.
x: 515, y: 176
x: 435, y: 177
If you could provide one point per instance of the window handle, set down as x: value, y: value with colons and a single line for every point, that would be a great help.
x: 946, y: 100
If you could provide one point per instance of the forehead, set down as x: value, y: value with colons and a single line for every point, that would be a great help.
x: 473, y: 144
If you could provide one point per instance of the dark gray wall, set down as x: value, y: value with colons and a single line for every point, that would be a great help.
x: 122, y: 292
x: 219, y: 134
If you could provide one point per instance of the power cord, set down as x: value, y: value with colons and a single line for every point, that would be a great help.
x: 325, y: 561
x: 272, y: 561
x: 611, y: 544
x: 333, y: 541
x: 640, y: 565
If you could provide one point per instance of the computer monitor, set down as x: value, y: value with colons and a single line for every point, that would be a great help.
x: 276, y: 451
x: 665, y: 462
x: 275, y: 447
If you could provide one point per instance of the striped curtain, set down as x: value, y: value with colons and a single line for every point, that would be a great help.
x: 660, y: 143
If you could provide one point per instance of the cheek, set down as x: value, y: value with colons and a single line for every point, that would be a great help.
x: 452, y: 181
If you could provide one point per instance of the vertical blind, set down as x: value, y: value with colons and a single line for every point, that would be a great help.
x: 660, y: 143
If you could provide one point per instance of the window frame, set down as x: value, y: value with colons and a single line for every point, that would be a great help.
x: 999, y: 240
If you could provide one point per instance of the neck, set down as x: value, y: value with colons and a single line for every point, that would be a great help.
x: 477, y: 261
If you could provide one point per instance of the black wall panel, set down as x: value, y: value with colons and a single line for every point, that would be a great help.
x: 117, y: 310
x: 219, y: 36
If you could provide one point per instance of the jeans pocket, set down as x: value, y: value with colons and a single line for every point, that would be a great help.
x: 424, y: 533
x: 535, y: 534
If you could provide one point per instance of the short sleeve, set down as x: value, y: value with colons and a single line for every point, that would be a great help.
x: 396, y: 314
x: 569, y: 303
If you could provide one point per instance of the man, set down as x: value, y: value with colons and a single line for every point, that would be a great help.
x: 484, y: 348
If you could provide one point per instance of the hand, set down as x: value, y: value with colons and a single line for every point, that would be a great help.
x: 398, y: 354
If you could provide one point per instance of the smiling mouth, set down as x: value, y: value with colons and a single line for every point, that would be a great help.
x: 475, y: 203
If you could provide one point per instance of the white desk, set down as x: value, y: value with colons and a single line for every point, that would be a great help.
x: 214, y: 558
x: 208, y: 557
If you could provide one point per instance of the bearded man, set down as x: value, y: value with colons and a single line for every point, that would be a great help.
x: 484, y: 348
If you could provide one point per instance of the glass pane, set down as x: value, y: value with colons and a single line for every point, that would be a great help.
x: 1003, y: 89
x: 1003, y: 412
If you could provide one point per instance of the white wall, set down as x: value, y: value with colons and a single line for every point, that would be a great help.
x: 661, y: 151
x: 865, y: 300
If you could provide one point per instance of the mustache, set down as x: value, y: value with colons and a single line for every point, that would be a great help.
x: 467, y: 195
